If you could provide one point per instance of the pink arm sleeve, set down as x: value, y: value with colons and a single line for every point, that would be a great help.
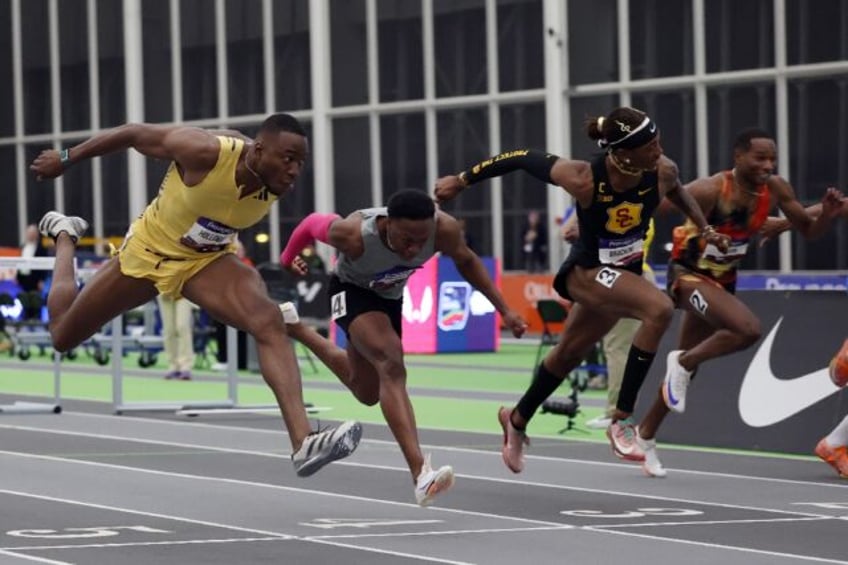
x: 314, y: 226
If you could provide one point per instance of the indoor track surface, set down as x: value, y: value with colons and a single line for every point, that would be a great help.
x: 88, y: 487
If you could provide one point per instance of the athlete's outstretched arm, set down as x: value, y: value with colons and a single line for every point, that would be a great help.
x: 193, y: 148
x: 810, y: 226
x: 449, y: 241
x: 315, y: 226
x: 536, y: 162
x: 575, y: 177
x: 671, y: 188
x: 775, y: 226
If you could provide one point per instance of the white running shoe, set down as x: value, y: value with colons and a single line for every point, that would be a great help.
x: 601, y: 422
x: 651, y: 465
x: 432, y: 482
x: 323, y: 447
x: 53, y: 223
x: 289, y: 311
x: 676, y: 383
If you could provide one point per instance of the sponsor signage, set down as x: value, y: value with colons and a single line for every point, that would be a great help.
x: 442, y: 312
x: 775, y: 395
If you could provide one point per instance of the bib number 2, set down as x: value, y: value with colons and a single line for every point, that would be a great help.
x: 607, y: 276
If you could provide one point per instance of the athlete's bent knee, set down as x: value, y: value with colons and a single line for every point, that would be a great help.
x: 62, y: 340
x: 368, y: 397
x: 265, y: 324
x: 661, y: 314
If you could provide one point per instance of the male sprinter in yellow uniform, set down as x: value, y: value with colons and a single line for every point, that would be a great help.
x: 182, y: 245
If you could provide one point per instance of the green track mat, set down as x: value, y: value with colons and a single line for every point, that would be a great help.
x: 456, y: 378
x: 447, y: 390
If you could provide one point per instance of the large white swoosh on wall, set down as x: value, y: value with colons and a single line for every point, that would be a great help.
x: 765, y: 400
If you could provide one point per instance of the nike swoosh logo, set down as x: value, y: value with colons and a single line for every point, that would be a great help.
x: 674, y: 401
x: 653, y: 128
x: 765, y: 400
x: 644, y: 192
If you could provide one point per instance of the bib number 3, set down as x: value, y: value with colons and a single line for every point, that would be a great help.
x: 607, y: 276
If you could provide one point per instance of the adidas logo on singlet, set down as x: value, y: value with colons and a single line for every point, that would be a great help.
x: 261, y: 195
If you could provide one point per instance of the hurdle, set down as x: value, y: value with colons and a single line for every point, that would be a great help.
x: 232, y: 391
x: 191, y: 408
x: 120, y: 406
x: 23, y: 407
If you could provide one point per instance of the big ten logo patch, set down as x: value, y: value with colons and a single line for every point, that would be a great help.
x: 624, y: 217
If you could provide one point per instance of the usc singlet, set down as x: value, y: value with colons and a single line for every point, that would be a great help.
x: 614, y: 227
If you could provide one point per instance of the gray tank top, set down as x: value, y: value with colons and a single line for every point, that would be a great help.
x: 379, y: 269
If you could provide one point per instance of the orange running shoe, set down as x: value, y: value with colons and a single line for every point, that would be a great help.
x: 839, y: 366
x: 836, y: 457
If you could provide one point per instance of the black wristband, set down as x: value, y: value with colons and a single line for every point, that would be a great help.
x: 535, y: 162
x: 65, y: 158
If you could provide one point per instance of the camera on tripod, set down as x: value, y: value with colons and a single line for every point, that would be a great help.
x: 567, y: 407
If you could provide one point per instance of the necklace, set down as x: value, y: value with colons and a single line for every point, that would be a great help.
x: 254, y: 173
x: 388, y: 241
x: 743, y: 188
x: 622, y: 168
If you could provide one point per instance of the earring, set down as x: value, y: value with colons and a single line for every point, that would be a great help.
x: 627, y: 160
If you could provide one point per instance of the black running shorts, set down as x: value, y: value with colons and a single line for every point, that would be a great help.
x: 347, y: 301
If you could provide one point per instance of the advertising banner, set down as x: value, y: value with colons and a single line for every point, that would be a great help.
x: 522, y: 291
x: 443, y: 313
x: 466, y: 320
x: 775, y: 395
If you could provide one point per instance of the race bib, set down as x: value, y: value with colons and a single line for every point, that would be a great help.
x: 338, y: 306
x: 620, y: 252
x: 607, y: 276
x: 736, y: 251
x: 207, y: 235
x: 391, y: 278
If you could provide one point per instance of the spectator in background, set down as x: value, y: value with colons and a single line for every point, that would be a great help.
x: 31, y: 281
x: 178, y: 336
x: 534, y: 241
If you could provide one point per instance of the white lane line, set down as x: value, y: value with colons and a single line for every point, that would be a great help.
x: 275, y: 536
x: 387, y: 468
x: 390, y: 552
x: 143, y: 543
x: 713, y: 522
x: 141, y: 512
x: 611, y: 492
x: 240, y: 482
x: 152, y: 422
x: 720, y: 546
x: 33, y: 558
x: 442, y: 533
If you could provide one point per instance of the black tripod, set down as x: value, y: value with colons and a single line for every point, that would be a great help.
x: 569, y: 407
